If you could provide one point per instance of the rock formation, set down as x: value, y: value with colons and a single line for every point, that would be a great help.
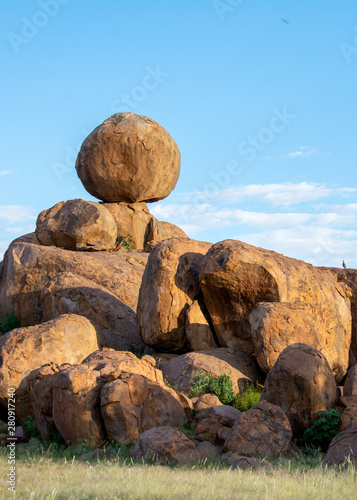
x: 129, y: 158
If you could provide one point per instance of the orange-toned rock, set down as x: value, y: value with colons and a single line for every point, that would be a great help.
x: 235, y: 277
x: 262, y: 431
x: 276, y: 325
x: 132, y: 221
x: 77, y: 225
x: 208, y: 450
x: 70, y: 293
x: 161, y: 231
x: 166, y: 445
x: 302, y: 384
x: 29, y: 267
x: 169, y: 286
x: 349, y: 277
x: 129, y: 158
x: 343, y: 448
x: 241, y: 367
x: 66, y: 339
x: 199, y: 336
x: 132, y: 404
x: 76, y: 392
x: 206, y: 401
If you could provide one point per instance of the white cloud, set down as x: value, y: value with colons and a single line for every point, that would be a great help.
x: 5, y: 172
x: 303, y: 152
x: 16, y: 213
x: 3, y: 247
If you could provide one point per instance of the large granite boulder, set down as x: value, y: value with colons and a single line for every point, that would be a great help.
x: 235, y: 277
x: 169, y: 286
x: 77, y: 225
x: 28, y: 267
x: 262, y: 431
x: 69, y: 293
x: 166, y: 445
x: 129, y: 158
x: 241, y: 367
x: 302, y: 383
x: 161, y: 231
x: 132, y: 404
x: 276, y: 325
x: 76, y: 392
x: 66, y: 339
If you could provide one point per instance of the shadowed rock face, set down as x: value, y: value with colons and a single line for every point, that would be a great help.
x: 342, y: 448
x: 263, y: 430
x: 129, y: 158
x: 166, y: 445
x: 169, y: 286
x: 302, y: 383
x: 235, y: 277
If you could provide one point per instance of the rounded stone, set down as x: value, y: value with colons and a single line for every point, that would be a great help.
x: 129, y: 158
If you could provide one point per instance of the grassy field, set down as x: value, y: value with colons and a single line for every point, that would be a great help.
x: 56, y: 473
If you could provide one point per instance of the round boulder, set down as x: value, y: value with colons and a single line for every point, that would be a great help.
x: 129, y: 158
x: 77, y: 225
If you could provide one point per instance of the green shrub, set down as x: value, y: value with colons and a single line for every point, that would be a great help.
x: 8, y: 322
x: 219, y: 385
x: 324, y: 427
x: 127, y: 242
x: 30, y: 428
x: 247, y: 398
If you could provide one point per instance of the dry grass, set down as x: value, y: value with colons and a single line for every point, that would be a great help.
x: 40, y: 477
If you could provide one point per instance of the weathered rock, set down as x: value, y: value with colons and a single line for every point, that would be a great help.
x: 132, y: 221
x: 129, y: 158
x: 40, y: 391
x: 208, y: 450
x: 350, y: 386
x: 68, y: 293
x: 166, y: 445
x: 132, y: 404
x: 161, y: 231
x: 76, y: 392
x: 66, y: 339
x: 215, y: 422
x: 302, y: 384
x: 235, y: 277
x: 28, y: 268
x: 199, y: 336
x: 263, y: 430
x: 349, y: 417
x: 276, y: 325
x: 169, y: 286
x: 239, y: 462
x: 97, y: 454
x: 343, y: 448
x: 206, y: 401
x: 349, y: 277
x: 240, y: 366
x: 77, y: 225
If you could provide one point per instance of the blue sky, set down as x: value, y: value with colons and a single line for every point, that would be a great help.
x: 259, y: 95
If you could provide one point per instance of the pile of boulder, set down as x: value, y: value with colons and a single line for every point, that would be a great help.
x: 112, y: 337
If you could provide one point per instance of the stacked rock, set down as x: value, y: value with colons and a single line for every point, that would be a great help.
x: 125, y: 162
